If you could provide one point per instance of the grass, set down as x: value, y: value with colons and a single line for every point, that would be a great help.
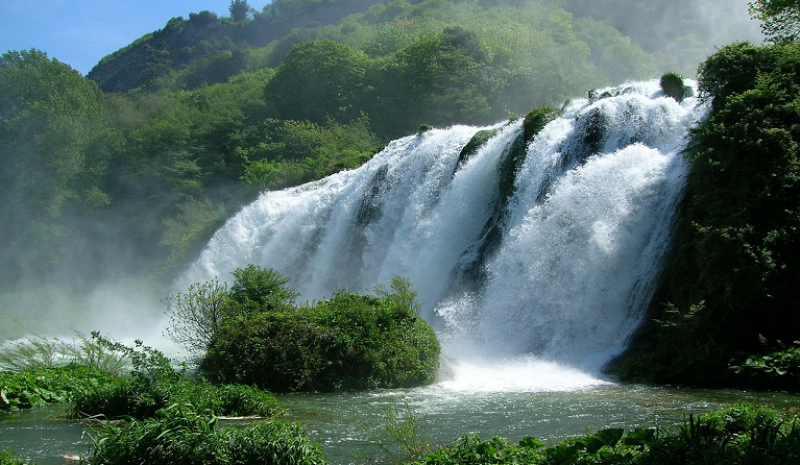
x: 739, y: 435
x: 179, y: 435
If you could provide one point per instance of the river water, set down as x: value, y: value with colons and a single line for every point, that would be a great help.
x: 347, y: 424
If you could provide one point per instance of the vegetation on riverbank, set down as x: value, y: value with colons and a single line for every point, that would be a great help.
x: 182, y: 435
x: 742, y: 434
x: 32, y: 388
x: 727, y: 309
x: 739, y: 435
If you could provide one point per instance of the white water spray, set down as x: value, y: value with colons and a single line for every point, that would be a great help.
x: 559, y: 268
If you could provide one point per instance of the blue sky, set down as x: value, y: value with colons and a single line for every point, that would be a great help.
x: 81, y: 32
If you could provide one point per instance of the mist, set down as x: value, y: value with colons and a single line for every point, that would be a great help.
x: 679, y: 33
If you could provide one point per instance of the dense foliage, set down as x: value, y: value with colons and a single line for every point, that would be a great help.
x: 10, y: 458
x: 732, y: 284
x: 350, y: 341
x: 739, y: 435
x: 37, y: 387
x: 198, y: 314
x: 153, y: 385
x: 780, y: 19
x: 179, y: 435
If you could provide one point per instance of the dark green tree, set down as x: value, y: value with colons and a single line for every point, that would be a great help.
x: 265, y: 287
x: 780, y: 18
x: 54, y: 146
x: 318, y: 80
x: 239, y: 10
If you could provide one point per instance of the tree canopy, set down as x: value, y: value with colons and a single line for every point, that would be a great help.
x: 780, y: 18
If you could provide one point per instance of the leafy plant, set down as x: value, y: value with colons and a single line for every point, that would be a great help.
x: 36, y: 387
x: 10, y: 458
x: 196, y: 315
x: 265, y: 287
x: 180, y: 435
x: 350, y: 341
x: 777, y: 369
x: 155, y: 385
x: 401, y: 427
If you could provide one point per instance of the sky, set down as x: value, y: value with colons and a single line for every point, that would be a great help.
x: 81, y: 32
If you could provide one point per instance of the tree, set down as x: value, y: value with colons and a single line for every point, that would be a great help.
x: 197, y: 315
x: 239, y: 10
x: 54, y: 144
x: 780, y: 18
x: 264, y: 287
x: 318, y: 80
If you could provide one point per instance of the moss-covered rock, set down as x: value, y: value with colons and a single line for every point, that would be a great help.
x: 673, y: 86
x: 351, y: 341
x: 536, y: 120
x: 477, y: 141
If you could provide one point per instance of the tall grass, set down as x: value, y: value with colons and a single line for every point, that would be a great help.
x: 36, y: 352
x: 179, y: 435
x: 739, y: 435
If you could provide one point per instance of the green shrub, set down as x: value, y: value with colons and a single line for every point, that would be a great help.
x: 263, y: 286
x: 197, y: 314
x: 179, y: 435
x: 779, y: 369
x: 739, y: 435
x: 154, y: 385
x: 145, y: 399
x: 10, y: 458
x: 31, y: 388
x: 672, y: 85
x: 348, y: 342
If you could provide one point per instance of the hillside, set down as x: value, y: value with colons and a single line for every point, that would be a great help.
x: 676, y: 33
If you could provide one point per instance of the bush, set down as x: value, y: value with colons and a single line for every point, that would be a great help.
x: 672, y: 85
x: 180, y: 436
x: 140, y: 400
x: 10, y: 458
x: 739, y: 435
x: 263, y: 286
x: 196, y: 315
x: 348, y: 342
x: 154, y: 386
x: 779, y: 369
x: 36, y: 387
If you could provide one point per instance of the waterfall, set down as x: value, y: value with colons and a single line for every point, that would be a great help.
x: 555, y: 258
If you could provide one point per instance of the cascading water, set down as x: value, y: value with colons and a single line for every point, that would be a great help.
x: 554, y: 258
